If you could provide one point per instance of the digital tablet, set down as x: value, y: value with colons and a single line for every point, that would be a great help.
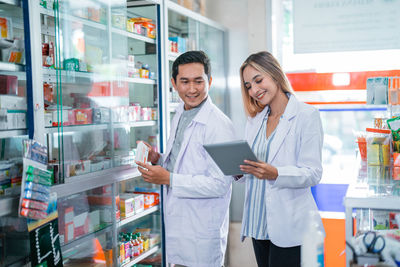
x: 228, y: 156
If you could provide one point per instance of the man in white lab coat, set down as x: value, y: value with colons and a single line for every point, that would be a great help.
x: 197, y: 194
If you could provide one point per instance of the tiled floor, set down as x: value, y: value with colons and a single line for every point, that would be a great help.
x: 239, y: 254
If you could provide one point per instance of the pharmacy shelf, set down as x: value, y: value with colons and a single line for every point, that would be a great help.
x: 5, y: 66
x: 136, y: 3
x: 139, y: 80
x: 92, y: 180
x: 94, y: 127
x: 137, y: 216
x: 359, y: 196
x: 172, y: 56
x: 11, y: 2
x: 12, y: 133
x: 86, y: 238
x: 71, y: 18
x: 133, y: 36
x: 142, y: 257
x: 50, y: 76
x: 77, y: 128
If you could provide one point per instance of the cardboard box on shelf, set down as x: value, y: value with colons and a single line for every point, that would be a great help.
x: 81, y: 223
x: 94, y: 220
x: 8, y: 85
x: 12, y: 102
x: 198, y: 6
x: 127, y: 205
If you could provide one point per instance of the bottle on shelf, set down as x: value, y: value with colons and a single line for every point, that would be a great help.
x: 312, y: 248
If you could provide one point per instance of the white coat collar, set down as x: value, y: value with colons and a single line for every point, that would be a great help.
x: 203, y: 114
x: 282, y: 128
x: 201, y: 117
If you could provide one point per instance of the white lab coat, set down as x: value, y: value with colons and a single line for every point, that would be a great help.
x: 296, y: 152
x: 196, y: 206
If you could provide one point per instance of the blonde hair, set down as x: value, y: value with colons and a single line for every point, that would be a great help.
x: 265, y: 63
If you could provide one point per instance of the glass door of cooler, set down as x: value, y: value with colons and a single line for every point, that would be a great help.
x: 135, y: 57
x: 182, y: 37
x: 100, y: 85
x: 14, y: 242
x: 78, y: 87
x: 135, y: 47
x: 215, y: 49
x: 86, y: 222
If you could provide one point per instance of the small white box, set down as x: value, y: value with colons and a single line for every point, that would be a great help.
x: 142, y: 152
x: 12, y: 102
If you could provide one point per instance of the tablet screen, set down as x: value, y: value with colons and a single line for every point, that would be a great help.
x: 229, y: 155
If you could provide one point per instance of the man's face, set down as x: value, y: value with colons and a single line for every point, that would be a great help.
x: 191, y: 84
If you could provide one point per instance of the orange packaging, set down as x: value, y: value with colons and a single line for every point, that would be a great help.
x: 146, y: 23
x: 48, y: 92
x: 4, y: 28
x: 362, y: 146
x: 396, y: 166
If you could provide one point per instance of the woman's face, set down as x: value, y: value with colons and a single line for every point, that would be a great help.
x: 260, y: 86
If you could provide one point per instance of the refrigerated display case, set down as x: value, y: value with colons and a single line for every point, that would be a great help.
x: 101, y: 94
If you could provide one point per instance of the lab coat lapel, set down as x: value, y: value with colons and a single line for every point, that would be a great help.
x: 283, y: 127
x: 201, y: 117
x: 174, y: 127
x: 255, y: 125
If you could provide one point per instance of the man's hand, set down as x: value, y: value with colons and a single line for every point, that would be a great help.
x: 153, y: 155
x: 154, y: 174
x: 260, y: 169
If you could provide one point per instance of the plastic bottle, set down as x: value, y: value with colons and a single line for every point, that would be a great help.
x: 136, y: 249
x: 312, y: 248
x: 127, y: 248
x: 139, y: 237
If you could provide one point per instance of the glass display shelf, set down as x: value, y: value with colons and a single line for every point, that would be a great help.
x: 11, y: 2
x: 75, y: 128
x: 86, y: 238
x: 12, y: 67
x: 143, y: 256
x: 371, y: 192
x: 134, y: 36
x: 138, y: 216
x: 50, y: 12
x: 370, y: 203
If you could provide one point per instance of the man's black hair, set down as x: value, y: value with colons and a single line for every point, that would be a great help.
x: 192, y: 57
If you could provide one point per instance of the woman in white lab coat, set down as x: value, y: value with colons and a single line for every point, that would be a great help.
x: 286, y: 136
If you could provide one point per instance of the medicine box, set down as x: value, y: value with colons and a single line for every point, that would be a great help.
x: 127, y: 205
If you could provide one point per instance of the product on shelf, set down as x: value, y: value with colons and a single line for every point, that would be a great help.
x: 6, y: 28
x: 127, y: 206
x: 377, y: 90
x: 48, y: 4
x: 378, y: 153
x: 48, y: 54
x: 48, y: 92
x: 118, y: 20
x: 12, y: 119
x: 15, y: 52
x: 8, y: 85
x: 394, y: 90
x: 180, y: 44
x: 149, y: 28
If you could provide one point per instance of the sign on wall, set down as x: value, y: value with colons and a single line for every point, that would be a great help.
x: 345, y: 25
